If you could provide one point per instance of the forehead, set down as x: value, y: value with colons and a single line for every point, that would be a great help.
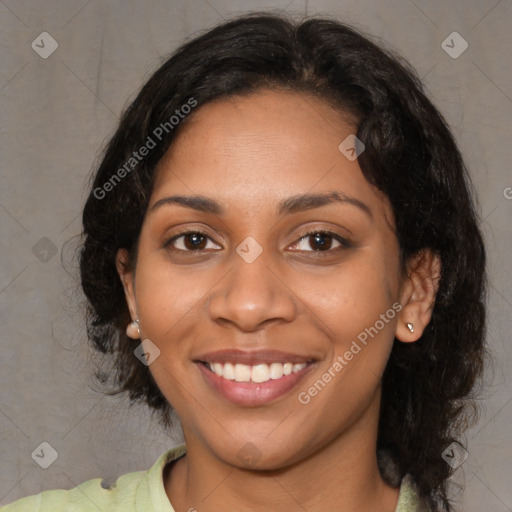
x: 263, y: 147
x: 277, y: 127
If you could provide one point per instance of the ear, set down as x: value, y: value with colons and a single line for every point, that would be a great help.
x: 417, y: 294
x: 127, y: 277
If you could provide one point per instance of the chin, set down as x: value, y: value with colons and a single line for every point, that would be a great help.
x: 261, y: 456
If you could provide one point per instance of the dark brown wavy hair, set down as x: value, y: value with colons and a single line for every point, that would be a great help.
x: 428, y: 387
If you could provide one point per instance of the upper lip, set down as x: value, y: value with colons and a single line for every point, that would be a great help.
x: 252, y: 358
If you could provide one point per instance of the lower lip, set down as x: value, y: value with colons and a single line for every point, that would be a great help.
x: 253, y: 393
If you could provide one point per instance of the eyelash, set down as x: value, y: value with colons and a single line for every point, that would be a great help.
x: 344, y: 243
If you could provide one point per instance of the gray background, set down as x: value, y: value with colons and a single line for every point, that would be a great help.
x: 57, y: 113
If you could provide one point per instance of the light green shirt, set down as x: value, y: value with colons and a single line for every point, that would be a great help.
x: 143, y: 491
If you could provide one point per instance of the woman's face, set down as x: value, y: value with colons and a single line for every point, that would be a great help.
x: 249, y: 286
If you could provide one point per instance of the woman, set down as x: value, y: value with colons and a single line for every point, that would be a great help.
x: 281, y: 244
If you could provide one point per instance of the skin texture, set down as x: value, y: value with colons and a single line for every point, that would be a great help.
x: 249, y: 153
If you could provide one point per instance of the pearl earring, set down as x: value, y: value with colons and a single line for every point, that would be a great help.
x: 133, y: 329
x: 410, y: 326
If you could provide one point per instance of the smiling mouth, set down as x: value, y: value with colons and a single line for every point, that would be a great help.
x: 258, y: 373
x: 252, y: 385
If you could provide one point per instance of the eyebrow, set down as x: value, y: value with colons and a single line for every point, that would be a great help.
x: 287, y: 206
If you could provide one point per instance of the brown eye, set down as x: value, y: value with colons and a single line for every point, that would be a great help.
x: 194, y: 241
x: 320, y: 241
x: 191, y: 241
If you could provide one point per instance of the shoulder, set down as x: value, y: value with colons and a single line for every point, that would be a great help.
x: 140, y: 490
x: 92, y: 495
x: 409, y: 499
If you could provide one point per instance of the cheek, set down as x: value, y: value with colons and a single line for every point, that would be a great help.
x: 356, y: 304
x: 352, y: 298
x: 167, y: 296
x: 164, y: 305
x: 361, y: 323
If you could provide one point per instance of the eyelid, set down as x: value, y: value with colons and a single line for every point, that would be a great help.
x: 344, y: 242
x: 189, y: 231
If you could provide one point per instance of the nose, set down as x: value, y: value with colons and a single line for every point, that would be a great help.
x: 251, y: 295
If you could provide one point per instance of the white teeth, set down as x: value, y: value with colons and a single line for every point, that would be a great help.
x: 276, y: 370
x: 217, y: 368
x: 257, y: 373
x: 228, y: 371
x: 260, y: 373
x: 242, y: 373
